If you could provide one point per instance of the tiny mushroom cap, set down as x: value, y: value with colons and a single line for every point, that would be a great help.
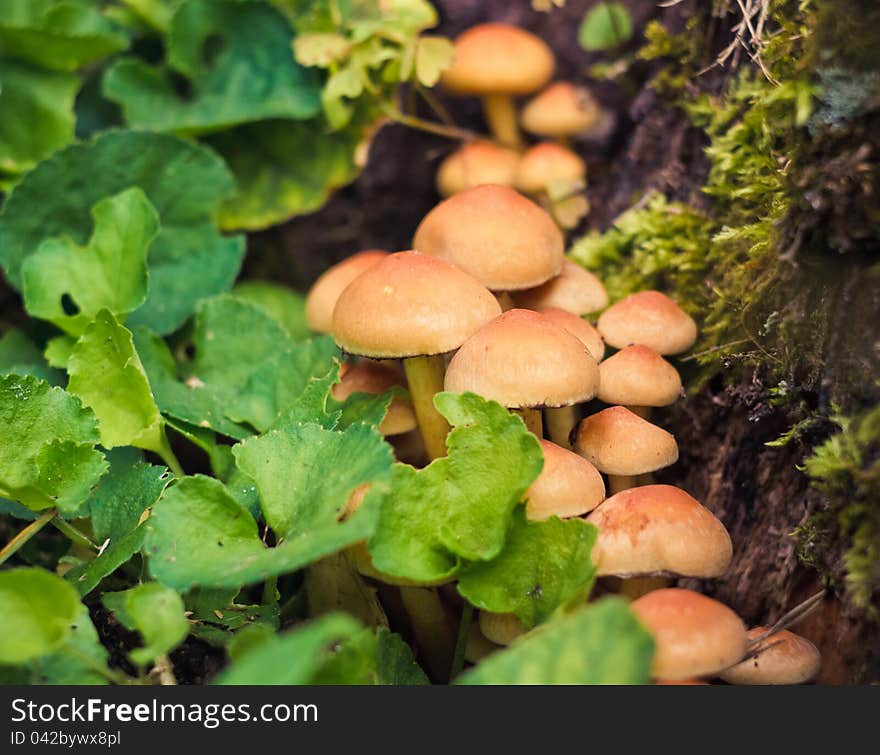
x: 502, y: 239
x: 782, y: 658
x: 638, y: 376
x: 620, y: 442
x: 476, y: 163
x: 567, y: 486
x: 659, y: 529
x: 375, y: 378
x: 651, y: 319
x: 521, y: 359
x: 574, y: 289
x: 546, y: 163
x: 561, y: 110
x: 498, y: 59
x: 693, y: 635
x: 324, y: 293
x: 501, y: 628
x: 580, y: 328
x: 410, y: 304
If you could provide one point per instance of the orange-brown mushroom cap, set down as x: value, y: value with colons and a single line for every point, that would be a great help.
x: 694, y: 635
x: 574, y: 289
x: 498, y: 58
x: 375, y: 378
x: 561, y: 110
x: 620, y: 442
x: 567, y: 486
x: 579, y: 327
x: 546, y: 163
x: 325, y: 291
x: 476, y: 163
x: 521, y: 359
x: 782, y: 658
x: 638, y: 376
x: 410, y: 304
x: 659, y: 529
x: 651, y: 319
x: 501, y: 628
x: 502, y: 239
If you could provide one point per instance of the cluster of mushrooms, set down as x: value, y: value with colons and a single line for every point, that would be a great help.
x: 487, y: 302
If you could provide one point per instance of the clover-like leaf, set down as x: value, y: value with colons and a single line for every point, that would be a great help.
x: 602, y: 643
x: 110, y: 272
x: 544, y: 565
x: 50, y: 459
x: 235, y: 59
x: 188, y: 261
x: 606, y: 26
x: 460, y: 505
x: 433, y: 56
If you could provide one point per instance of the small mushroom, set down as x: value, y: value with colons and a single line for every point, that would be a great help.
x: 561, y: 111
x: 478, y: 647
x: 557, y: 178
x: 497, y: 62
x: 567, y: 486
x: 501, y: 628
x: 323, y: 294
x: 523, y: 361
x: 649, y: 318
x: 694, y: 636
x: 782, y: 658
x: 574, y: 289
x: 375, y: 378
x: 638, y: 378
x: 476, y: 163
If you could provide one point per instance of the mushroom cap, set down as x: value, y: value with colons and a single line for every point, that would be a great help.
x: 410, y: 304
x: 693, y: 635
x: 579, y: 327
x: 785, y: 658
x: 325, y: 291
x: 375, y: 378
x: 504, y: 240
x: 545, y: 163
x: 476, y: 163
x: 567, y: 486
x: 651, y: 319
x: 501, y: 628
x: 638, y: 376
x: 561, y: 110
x: 620, y: 442
x: 659, y: 528
x: 498, y: 59
x: 575, y: 289
x: 521, y: 359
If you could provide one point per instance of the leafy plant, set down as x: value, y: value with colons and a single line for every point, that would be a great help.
x: 605, y: 27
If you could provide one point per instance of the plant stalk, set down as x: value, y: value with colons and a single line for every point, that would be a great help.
x: 424, y: 376
x: 12, y: 547
x: 461, y: 641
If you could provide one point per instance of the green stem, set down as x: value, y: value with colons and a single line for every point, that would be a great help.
x: 270, y: 590
x: 450, y: 132
x: 26, y: 534
x: 72, y: 533
x: 464, y: 626
x: 167, y: 455
x: 165, y: 671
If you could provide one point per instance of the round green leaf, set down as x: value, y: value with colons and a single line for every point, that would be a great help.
x: 605, y: 27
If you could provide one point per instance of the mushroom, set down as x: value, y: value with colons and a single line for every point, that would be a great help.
x: 638, y: 378
x: 502, y: 239
x: 782, y: 658
x: 478, y: 647
x: 574, y: 289
x: 525, y: 362
x: 649, y: 318
x: 325, y: 291
x: 556, y: 177
x: 567, y: 486
x: 375, y: 378
x: 497, y: 62
x: 416, y: 308
x: 694, y: 636
x: 622, y: 445
x: 561, y: 111
x: 501, y: 628
x: 655, y: 531
x: 476, y: 163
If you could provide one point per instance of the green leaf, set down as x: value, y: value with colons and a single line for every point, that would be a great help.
x: 36, y: 113
x: 106, y: 373
x: 292, y: 658
x: 433, y: 56
x: 61, y: 35
x: 235, y: 58
x: 284, y: 169
x: 395, y: 664
x: 38, y: 612
x: 544, y: 565
x: 601, y: 644
x: 155, y: 13
x: 606, y: 26
x: 123, y: 496
x: 280, y: 302
x: 53, y: 461
x: 156, y: 612
x: 199, y: 535
x: 110, y: 272
x: 86, y: 576
x: 305, y: 473
x: 218, y: 619
x: 20, y: 356
x: 460, y: 505
x: 188, y: 261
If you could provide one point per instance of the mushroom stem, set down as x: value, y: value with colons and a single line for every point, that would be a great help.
x: 431, y: 629
x: 560, y: 420
x: 532, y: 418
x: 505, y: 300
x: 634, y: 587
x: 501, y: 117
x: 644, y: 412
x: 425, y: 378
x: 618, y: 482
